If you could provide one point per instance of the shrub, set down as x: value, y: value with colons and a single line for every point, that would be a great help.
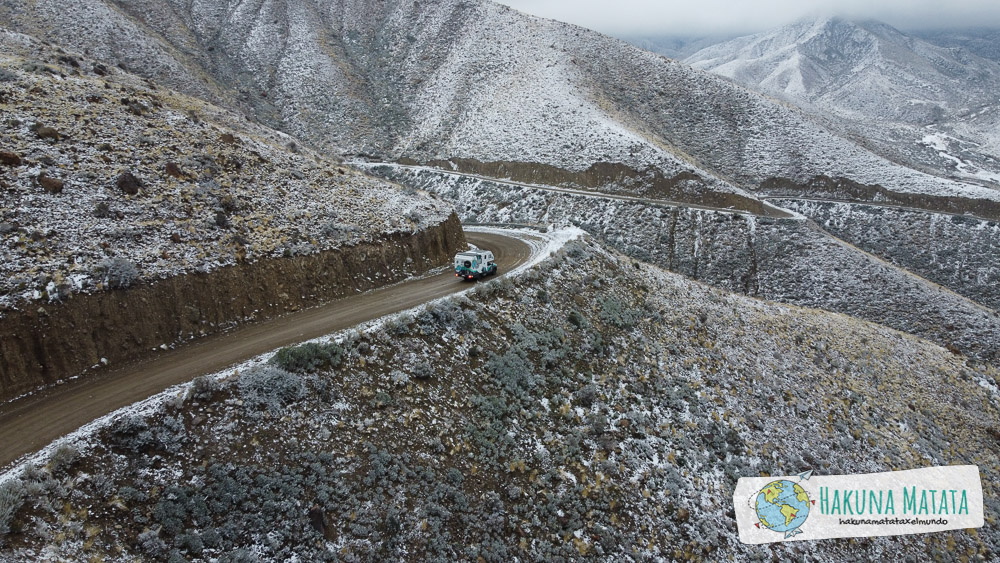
x: 422, y: 370
x: 202, y: 388
x: 271, y: 387
x: 576, y: 319
x: 11, y: 498
x: 151, y: 544
x: 399, y: 378
x: 63, y: 457
x: 616, y: 314
x: 512, y: 372
x: 308, y: 357
x: 117, y: 273
x: 102, y: 210
x: 131, y: 433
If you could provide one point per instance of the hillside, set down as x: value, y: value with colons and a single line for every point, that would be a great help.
x: 134, y: 217
x: 721, y: 282
x: 593, y: 408
x: 984, y: 42
x: 788, y: 259
x: 104, y: 167
x: 931, y: 107
x: 426, y: 81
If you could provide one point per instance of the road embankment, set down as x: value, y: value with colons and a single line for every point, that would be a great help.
x: 41, y: 345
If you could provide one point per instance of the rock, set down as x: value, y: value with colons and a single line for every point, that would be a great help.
x: 10, y: 159
x: 102, y: 210
x: 174, y: 170
x: 44, y: 132
x: 6, y: 228
x: 128, y: 183
x: 66, y: 59
x: 317, y: 519
x: 49, y: 184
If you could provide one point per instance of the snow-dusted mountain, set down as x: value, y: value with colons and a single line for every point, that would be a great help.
x: 472, y: 79
x: 984, y: 42
x: 924, y: 105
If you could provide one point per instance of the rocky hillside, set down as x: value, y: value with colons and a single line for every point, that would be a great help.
x: 135, y: 218
x: 110, y: 181
x: 595, y: 408
x: 929, y: 106
x: 983, y: 41
x: 791, y: 260
x: 467, y: 79
x: 956, y: 251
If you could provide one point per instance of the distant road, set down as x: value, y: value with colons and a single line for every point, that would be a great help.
x: 33, y: 422
x: 775, y: 210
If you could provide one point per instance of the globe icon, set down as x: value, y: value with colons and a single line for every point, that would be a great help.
x: 782, y: 506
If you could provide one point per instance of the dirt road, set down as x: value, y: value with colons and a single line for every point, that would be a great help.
x: 775, y: 212
x: 31, y: 423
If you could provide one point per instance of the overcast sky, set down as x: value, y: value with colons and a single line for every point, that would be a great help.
x: 695, y: 17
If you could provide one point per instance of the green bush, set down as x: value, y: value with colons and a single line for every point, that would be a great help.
x: 308, y: 357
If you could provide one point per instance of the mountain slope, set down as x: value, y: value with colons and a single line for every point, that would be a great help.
x: 984, y: 42
x: 473, y: 79
x: 134, y: 218
x: 594, y: 409
x: 933, y: 107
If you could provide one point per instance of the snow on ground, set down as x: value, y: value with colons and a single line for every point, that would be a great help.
x: 788, y: 260
x: 543, y: 245
x: 943, y: 144
x: 111, y: 181
x: 594, y: 408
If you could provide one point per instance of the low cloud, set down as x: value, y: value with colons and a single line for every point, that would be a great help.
x: 688, y: 17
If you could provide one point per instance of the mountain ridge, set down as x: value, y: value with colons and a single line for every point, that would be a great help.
x: 930, y: 107
x: 474, y: 79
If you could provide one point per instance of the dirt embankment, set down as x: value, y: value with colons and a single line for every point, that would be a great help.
x: 40, y: 345
x: 685, y: 187
x: 845, y: 189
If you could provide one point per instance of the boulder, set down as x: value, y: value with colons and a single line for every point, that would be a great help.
x: 128, y: 183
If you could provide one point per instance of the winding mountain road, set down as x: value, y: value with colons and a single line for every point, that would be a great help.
x: 31, y: 423
x: 775, y: 211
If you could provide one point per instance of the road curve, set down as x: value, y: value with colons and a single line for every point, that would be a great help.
x: 776, y: 212
x: 31, y: 423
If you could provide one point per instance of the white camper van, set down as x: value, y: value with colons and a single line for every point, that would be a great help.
x: 475, y: 264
